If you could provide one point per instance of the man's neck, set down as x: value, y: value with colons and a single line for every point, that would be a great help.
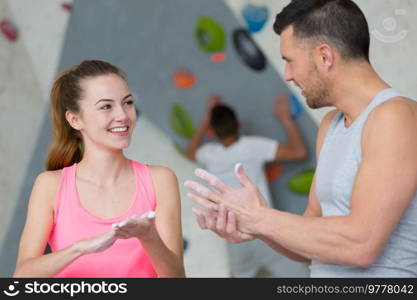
x: 226, y: 142
x: 354, y: 89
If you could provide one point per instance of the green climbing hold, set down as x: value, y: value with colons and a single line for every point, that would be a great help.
x: 301, y: 182
x: 210, y: 35
x: 181, y: 122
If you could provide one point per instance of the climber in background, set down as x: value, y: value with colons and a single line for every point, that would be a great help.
x: 220, y: 120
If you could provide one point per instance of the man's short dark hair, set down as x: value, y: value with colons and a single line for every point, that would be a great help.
x: 340, y: 23
x: 224, y: 121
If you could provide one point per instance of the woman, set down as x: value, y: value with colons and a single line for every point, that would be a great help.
x: 90, y: 185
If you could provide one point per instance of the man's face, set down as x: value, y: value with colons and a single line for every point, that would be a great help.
x: 302, y: 70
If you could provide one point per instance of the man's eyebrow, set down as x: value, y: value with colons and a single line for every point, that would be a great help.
x: 125, y: 97
x: 111, y: 100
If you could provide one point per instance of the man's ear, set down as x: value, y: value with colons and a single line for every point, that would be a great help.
x: 73, y: 119
x: 210, y: 132
x: 326, y: 56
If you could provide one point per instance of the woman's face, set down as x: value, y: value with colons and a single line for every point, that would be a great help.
x: 107, y: 112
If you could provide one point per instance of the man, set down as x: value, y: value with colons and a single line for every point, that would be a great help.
x: 252, y: 258
x: 361, y: 219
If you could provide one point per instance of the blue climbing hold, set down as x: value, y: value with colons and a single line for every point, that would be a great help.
x: 296, y: 108
x: 255, y: 17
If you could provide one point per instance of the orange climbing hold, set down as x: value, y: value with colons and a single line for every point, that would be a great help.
x: 184, y: 79
x: 218, y: 57
x: 273, y: 171
x: 9, y: 30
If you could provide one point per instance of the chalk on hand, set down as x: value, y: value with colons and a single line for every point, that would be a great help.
x: 151, y: 214
x: 237, y: 166
x: 124, y: 222
x: 148, y: 215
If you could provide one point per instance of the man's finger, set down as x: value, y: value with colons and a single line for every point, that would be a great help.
x: 202, y: 201
x: 210, y: 216
x: 200, y: 218
x: 202, y: 190
x: 211, y: 179
x: 241, y: 175
x: 231, y: 222
x: 221, y: 220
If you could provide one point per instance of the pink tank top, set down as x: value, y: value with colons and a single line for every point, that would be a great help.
x: 126, y: 258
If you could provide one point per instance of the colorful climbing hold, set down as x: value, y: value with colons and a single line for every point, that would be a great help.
x: 247, y: 50
x: 273, y: 171
x: 181, y: 122
x: 184, y: 79
x: 185, y: 244
x: 296, y: 108
x: 301, y: 182
x: 67, y: 6
x: 255, y: 17
x: 210, y: 35
x: 9, y: 30
x: 218, y: 57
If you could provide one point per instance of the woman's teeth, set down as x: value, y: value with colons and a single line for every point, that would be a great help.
x: 119, y: 129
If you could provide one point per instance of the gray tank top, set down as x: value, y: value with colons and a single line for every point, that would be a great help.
x: 338, y: 163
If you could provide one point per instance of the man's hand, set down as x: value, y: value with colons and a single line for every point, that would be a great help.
x: 221, y: 222
x: 282, y: 108
x: 244, y: 202
x: 203, y: 128
x: 212, y: 101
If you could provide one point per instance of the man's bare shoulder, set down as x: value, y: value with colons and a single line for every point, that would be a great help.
x: 392, y: 122
x: 399, y: 110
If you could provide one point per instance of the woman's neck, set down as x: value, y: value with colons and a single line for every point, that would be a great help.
x: 104, y: 167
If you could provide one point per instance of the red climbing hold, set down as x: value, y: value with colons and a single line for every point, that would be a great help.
x: 184, y: 79
x: 67, y: 6
x: 273, y: 171
x: 218, y: 57
x: 9, y: 30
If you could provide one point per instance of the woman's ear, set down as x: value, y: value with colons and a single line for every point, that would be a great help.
x: 73, y: 119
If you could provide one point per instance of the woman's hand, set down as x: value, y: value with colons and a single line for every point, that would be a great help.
x: 96, y: 244
x: 140, y: 228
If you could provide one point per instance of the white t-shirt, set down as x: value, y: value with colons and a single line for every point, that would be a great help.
x: 252, y: 151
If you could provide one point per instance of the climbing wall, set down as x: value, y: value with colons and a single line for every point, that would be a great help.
x: 175, y: 72
x: 171, y: 74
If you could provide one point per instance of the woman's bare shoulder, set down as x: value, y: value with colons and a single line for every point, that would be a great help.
x: 46, y: 184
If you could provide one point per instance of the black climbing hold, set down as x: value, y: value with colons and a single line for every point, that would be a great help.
x: 248, y: 51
